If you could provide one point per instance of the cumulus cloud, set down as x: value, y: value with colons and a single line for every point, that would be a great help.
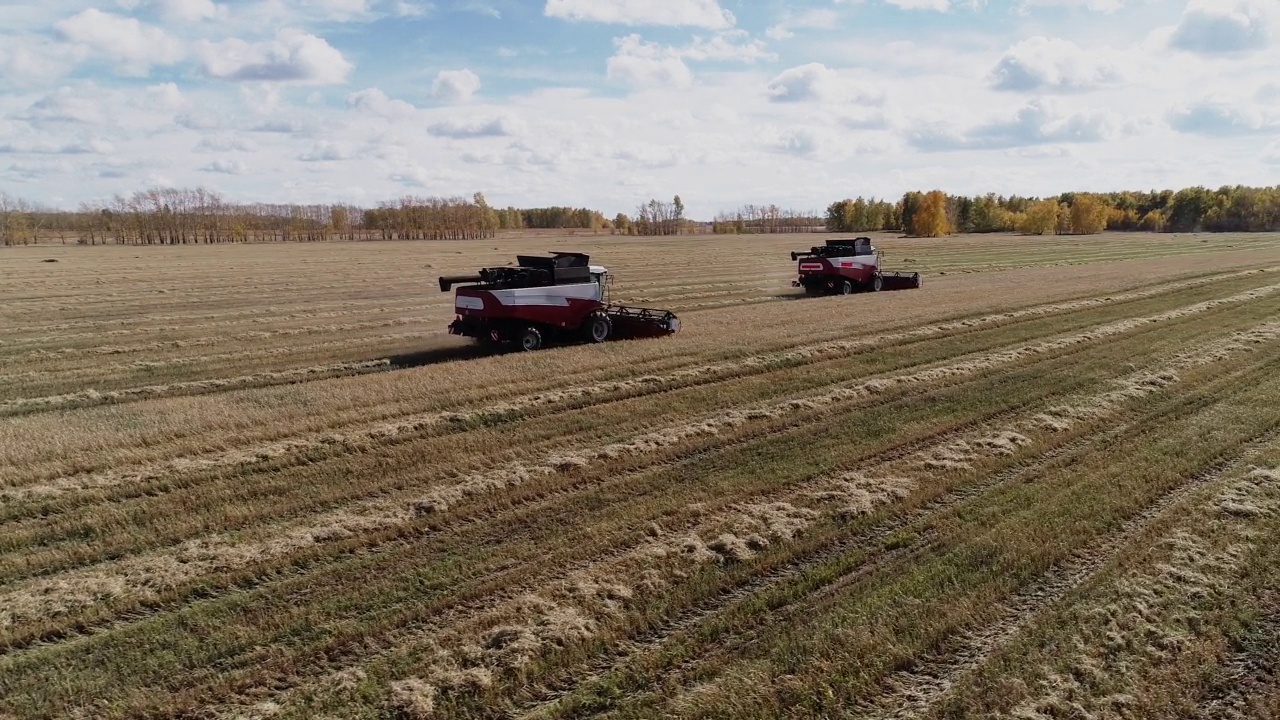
x: 293, y: 56
x: 328, y: 151
x: 87, y: 147
x: 1225, y: 26
x: 186, y: 11
x: 1271, y: 154
x: 133, y: 45
x: 733, y: 45
x: 815, y: 82
x: 224, y: 167
x: 1038, y: 122
x: 477, y: 127
x: 694, y: 13
x: 222, y: 144
x: 29, y: 61
x: 1043, y: 64
x: 455, y: 85
x: 816, y: 19
x: 165, y: 96
x: 642, y: 64
x: 1220, y: 119
x: 376, y: 102
x: 65, y: 106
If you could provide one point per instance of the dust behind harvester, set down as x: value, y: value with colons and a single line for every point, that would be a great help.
x: 845, y: 266
x: 561, y: 298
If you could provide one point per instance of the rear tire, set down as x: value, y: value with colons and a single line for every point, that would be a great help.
x: 846, y: 288
x: 530, y: 339
x: 877, y: 282
x: 599, y: 327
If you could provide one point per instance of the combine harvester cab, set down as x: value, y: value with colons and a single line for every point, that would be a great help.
x: 844, y: 266
x: 544, y: 300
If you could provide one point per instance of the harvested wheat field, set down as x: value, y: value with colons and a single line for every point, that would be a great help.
x: 262, y: 482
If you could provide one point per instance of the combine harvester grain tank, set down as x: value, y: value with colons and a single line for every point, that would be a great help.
x: 846, y: 265
x: 543, y: 300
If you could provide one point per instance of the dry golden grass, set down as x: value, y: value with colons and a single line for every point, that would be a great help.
x: 259, y: 481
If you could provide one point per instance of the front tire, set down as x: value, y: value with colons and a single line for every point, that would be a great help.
x: 877, y: 282
x: 530, y: 339
x: 599, y: 328
x: 846, y: 288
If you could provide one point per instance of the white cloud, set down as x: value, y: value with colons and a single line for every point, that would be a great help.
x: 223, y: 144
x: 1271, y: 154
x: 29, y: 61
x: 328, y: 151
x: 376, y: 102
x: 294, y: 56
x: 88, y: 147
x: 725, y: 46
x: 65, y: 106
x: 477, y: 127
x: 133, y: 45
x: 165, y: 96
x: 815, y: 82
x: 480, y: 8
x: 1038, y: 122
x: 186, y: 11
x: 455, y: 85
x: 1219, y: 118
x: 816, y: 19
x: 806, y: 82
x: 1103, y: 6
x: 224, y: 167
x: 695, y: 13
x: 643, y: 65
x: 1040, y: 64
x: 1225, y: 26
x: 938, y: 5
x: 408, y: 9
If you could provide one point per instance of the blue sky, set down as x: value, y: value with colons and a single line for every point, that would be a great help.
x: 607, y: 103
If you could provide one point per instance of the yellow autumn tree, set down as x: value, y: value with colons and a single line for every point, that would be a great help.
x: 1040, y: 219
x: 1089, y: 215
x: 930, y: 219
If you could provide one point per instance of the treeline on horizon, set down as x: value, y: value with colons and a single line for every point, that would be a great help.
x: 171, y: 216
x: 934, y: 214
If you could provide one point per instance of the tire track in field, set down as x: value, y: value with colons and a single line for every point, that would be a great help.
x: 493, y: 602
x: 47, y: 336
x: 89, y: 397
x: 1097, y: 410
x: 414, y: 425
x: 507, y: 592
x: 1249, y: 674
x: 377, y: 514
x: 192, y: 387
x: 705, y: 452
x: 194, y: 558
x: 913, y: 693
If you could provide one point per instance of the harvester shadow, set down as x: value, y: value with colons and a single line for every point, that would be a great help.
x: 436, y: 356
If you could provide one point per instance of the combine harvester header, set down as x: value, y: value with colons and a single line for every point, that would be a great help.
x: 843, y: 266
x: 547, y: 299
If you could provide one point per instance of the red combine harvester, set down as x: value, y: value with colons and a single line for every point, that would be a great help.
x: 843, y: 266
x: 547, y: 299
